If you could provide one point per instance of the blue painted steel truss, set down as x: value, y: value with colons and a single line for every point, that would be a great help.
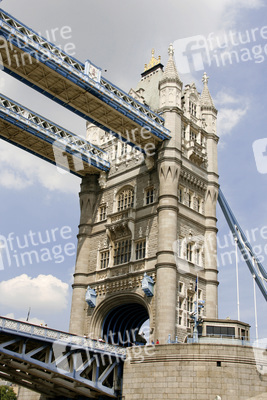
x: 49, y: 141
x: 57, y: 363
x: 97, y: 100
x: 256, y: 268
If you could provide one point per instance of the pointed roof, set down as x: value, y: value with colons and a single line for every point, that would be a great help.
x: 153, y: 61
x: 170, y: 73
x: 206, y: 99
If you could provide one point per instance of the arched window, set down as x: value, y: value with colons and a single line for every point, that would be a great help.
x: 125, y: 199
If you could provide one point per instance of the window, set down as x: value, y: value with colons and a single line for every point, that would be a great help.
x: 220, y: 330
x: 140, y: 250
x: 179, y: 247
x: 123, y: 148
x: 181, y: 302
x: 193, y: 135
x: 192, y: 108
x: 180, y: 287
x: 189, y: 303
x: 104, y: 259
x: 198, y: 256
x: 189, y: 251
x: 150, y: 195
x: 180, y: 321
x: 198, y: 204
x: 122, y: 251
x: 180, y: 194
x: 189, y: 200
x: 102, y: 212
x: 184, y: 132
x: 125, y: 199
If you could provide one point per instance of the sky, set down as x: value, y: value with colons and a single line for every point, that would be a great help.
x: 40, y: 206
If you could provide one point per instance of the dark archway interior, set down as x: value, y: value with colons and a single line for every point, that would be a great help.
x: 122, y: 324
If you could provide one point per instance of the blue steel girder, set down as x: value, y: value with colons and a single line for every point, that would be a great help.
x: 56, y: 363
x: 254, y: 265
x: 40, y: 64
x: 37, y: 135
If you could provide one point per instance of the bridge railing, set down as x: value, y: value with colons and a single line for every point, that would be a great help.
x: 32, y: 330
x: 30, y: 41
x: 54, y: 133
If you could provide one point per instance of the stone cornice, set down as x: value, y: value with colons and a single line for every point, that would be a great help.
x: 189, y: 177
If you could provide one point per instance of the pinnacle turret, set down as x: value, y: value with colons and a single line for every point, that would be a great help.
x: 170, y: 73
x: 206, y: 99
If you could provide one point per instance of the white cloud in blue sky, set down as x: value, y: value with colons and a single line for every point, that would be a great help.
x: 45, y: 293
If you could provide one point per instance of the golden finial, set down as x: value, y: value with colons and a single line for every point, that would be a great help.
x: 154, y: 61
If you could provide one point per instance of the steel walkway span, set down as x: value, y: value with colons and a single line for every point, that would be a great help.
x: 39, y: 136
x: 78, y: 87
x: 56, y: 363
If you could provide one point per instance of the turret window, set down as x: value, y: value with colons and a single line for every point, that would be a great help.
x: 192, y: 108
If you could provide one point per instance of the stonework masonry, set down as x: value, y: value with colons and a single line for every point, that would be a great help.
x: 193, y: 372
x: 152, y: 214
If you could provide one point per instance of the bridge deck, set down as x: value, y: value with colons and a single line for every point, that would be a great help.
x: 37, y: 135
x: 57, y: 363
x: 41, y: 65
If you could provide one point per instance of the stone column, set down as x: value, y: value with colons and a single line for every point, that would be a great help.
x: 211, y: 271
x: 88, y: 204
x: 166, y: 287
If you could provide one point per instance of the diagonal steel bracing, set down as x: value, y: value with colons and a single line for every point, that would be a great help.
x: 56, y: 363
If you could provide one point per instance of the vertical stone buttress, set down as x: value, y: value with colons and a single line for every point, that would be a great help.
x: 88, y: 201
x: 169, y: 163
x: 209, y: 114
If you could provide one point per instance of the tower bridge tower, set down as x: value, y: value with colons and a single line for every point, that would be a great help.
x: 151, y: 217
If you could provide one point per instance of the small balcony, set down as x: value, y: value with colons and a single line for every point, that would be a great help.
x: 121, y: 224
x: 196, y: 152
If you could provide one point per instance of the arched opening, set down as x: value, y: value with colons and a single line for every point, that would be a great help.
x: 122, y: 324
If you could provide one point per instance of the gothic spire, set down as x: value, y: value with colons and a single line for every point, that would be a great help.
x: 206, y: 99
x: 170, y: 72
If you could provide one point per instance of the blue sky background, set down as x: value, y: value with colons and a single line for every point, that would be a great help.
x: 118, y: 37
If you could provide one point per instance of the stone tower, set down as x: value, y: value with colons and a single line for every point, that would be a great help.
x: 148, y: 227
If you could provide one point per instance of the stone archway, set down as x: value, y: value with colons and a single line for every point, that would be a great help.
x: 118, y: 319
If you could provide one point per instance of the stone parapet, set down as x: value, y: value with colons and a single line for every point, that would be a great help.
x: 194, y: 372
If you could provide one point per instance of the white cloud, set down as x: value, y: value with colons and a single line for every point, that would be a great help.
x: 44, y: 294
x: 20, y: 170
x: 232, y: 108
x: 223, y: 98
x: 228, y: 118
x: 12, y: 179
